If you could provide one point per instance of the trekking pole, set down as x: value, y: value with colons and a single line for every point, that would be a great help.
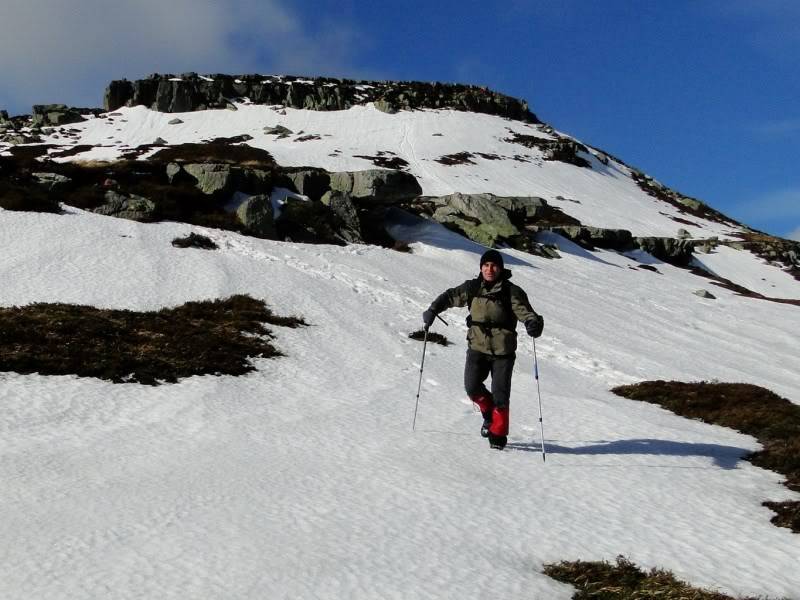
x: 421, y: 366
x: 538, y: 391
x: 419, y: 386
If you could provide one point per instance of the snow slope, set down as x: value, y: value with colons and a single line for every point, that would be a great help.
x: 303, y: 479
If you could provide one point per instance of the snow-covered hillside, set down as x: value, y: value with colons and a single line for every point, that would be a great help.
x: 601, y: 196
x: 303, y: 479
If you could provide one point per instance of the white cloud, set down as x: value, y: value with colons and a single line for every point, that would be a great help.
x: 68, y: 51
x: 778, y: 204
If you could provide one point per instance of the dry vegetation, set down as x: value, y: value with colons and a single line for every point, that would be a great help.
x: 195, y: 240
x: 625, y: 581
x: 211, y: 337
x: 435, y: 338
x: 753, y: 410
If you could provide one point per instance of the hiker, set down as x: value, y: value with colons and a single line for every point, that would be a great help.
x: 495, y: 305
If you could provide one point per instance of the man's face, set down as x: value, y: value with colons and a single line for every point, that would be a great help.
x: 490, y: 271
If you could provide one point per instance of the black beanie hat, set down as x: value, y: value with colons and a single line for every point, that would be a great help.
x: 493, y: 256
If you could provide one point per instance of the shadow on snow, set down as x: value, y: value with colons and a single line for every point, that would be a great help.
x: 726, y: 457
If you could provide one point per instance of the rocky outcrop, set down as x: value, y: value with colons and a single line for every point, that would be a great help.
x: 256, y: 214
x: 342, y: 205
x: 190, y: 91
x: 378, y: 185
x: 127, y: 206
x: 670, y: 250
x: 55, y: 114
x: 597, y: 237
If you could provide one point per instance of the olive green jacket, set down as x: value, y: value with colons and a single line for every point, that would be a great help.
x: 493, y: 314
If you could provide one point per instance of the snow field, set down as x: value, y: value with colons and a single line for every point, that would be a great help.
x: 303, y: 478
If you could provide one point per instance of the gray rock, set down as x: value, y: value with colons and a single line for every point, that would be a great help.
x: 51, y: 181
x: 194, y: 93
x: 126, y: 206
x: 55, y: 114
x: 599, y: 237
x: 172, y: 171
x: 4, y: 117
x: 257, y: 216
x: 704, y: 294
x: 385, y: 106
x: 174, y: 121
x: 479, y: 216
x: 278, y: 130
x: 670, y: 250
x: 15, y: 139
x: 683, y: 234
x: 211, y: 177
x: 531, y: 206
x: 159, y: 142
x: 312, y: 183
x: 380, y: 185
x: 342, y: 206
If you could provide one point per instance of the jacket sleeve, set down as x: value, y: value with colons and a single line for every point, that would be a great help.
x: 456, y: 296
x: 521, y: 306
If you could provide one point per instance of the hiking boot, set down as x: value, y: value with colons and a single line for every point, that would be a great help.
x: 487, y: 422
x: 497, y: 442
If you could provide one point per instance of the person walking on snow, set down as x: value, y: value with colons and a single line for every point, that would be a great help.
x: 495, y: 306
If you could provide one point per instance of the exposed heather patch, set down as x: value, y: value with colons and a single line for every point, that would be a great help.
x: 625, y: 581
x: 198, y: 338
x: 460, y: 158
x: 436, y: 338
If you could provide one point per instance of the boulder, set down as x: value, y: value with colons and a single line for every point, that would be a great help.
x: 531, y: 207
x: 342, y: 206
x: 211, y: 177
x: 173, y: 170
x: 257, y: 216
x: 126, y: 206
x: 683, y: 234
x: 379, y: 185
x: 385, y: 106
x: 55, y: 114
x: 596, y: 237
x: 670, y: 250
x: 15, y: 139
x: 174, y: 121
x: 313, y: 183
x: 51, y: 181
x: 479, y: 216
x: 279, y: 130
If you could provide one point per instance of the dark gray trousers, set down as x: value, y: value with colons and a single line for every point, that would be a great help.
x: 479, y: 366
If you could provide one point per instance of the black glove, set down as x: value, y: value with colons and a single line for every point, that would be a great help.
x: 534, y: 326
x: 428, y: 318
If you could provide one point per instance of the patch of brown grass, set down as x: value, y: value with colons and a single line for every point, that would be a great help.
x: 198, y: 338
x: 753, y: 410
x: 195, y: 240
x: 216, y: 151
x: 625, y: 581
x: 435, y: 338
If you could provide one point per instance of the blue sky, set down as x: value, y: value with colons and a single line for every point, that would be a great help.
x: 702, y: 95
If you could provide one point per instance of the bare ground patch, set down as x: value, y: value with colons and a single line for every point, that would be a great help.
x: 435, y: 338
x: 623, y: 580
x: 216, y: 337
